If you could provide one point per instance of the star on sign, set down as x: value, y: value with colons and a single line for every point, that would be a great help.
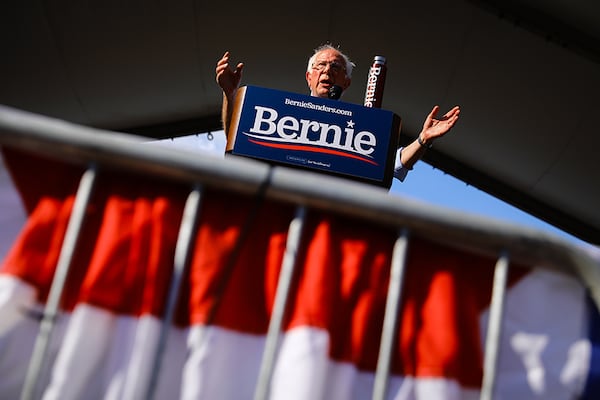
x: 350, y: 124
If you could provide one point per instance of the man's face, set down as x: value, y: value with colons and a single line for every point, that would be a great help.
x: 327, y: 70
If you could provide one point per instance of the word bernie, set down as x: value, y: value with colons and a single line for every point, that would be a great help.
x: 268, y: 126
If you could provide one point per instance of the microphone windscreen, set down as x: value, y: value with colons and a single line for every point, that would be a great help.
x: 335, y: 92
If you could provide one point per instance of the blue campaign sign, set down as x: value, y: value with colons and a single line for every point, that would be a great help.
x: 326, y: 135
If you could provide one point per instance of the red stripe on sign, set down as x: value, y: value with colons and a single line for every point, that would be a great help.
x: 311, y: 149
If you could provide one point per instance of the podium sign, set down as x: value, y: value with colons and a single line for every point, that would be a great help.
x: 325, y: 135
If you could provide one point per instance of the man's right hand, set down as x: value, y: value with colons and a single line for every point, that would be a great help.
x: 227, y: 78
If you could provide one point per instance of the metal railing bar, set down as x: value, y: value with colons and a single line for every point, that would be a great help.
x: 81, y: 144
x: 281, y: 296
x: 390, y: 319
x: 40, y: 350
x: 183, y: 250
x: 470, y: 232
x: 494, y: 327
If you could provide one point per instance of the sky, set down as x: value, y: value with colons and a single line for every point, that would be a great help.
x: 424, y: 183
x: 432, y: 185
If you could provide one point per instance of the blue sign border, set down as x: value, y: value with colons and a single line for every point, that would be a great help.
x: 324, y: 135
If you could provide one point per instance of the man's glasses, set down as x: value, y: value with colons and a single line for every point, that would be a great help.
x: 334, y: 66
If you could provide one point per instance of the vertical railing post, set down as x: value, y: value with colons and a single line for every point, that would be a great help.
x: 390, y: 319
x: 494, y: 327
x: 281, y: 296
x: 182, y: 254
x: 40, y: 349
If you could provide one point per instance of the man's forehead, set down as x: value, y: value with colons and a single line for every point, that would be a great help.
x: 328, y: 55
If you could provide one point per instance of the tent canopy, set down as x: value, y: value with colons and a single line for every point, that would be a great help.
x: 526, y: 74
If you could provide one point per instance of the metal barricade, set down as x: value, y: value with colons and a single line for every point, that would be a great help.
x: 103, y: 149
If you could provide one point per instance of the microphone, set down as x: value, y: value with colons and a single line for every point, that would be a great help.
x: 335, y: 92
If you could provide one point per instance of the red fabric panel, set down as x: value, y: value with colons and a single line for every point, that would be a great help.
x: 233, y: 287
x: 125, y: 259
